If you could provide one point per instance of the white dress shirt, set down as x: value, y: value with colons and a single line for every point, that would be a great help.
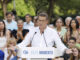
x: 12, y: 25
x: 47, y: 39
x: 28, y: 25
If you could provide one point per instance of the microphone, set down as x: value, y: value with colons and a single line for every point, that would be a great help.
x: 44, y: 39
x: 33, y: 37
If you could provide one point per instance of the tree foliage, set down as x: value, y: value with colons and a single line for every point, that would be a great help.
x: 21, y: 8
x: 52, y: 7
x: 4, y: 6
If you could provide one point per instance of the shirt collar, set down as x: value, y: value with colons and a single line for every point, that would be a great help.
x: 10, y: 22
x: 44, y: 29
x: 29, y: 22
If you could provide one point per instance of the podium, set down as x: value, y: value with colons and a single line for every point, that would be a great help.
x: 39, y: 52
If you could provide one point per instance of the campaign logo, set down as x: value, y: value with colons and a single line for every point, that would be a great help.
x: 25, y: 52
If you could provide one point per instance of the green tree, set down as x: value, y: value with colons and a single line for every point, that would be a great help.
x: 4, y: 4
x: 52, y: 7
x: 69, y: 7
x: 38, y: 5
x: 21, y: 8
x: 56, y: 7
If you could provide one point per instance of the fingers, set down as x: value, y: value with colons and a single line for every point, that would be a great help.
x: 69, y: 51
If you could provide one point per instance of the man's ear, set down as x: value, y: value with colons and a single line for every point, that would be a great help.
x: 68, y: 43
x: 37, y: 20
x: 47, y: 21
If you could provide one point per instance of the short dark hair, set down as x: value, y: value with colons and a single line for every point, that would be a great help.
x: 28, y: 15
x: 9, y: 13
x: 72, y: 38
x: 43, y: 14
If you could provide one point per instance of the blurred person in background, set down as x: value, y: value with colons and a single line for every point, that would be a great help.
x: 10, y: 54
x: 35, y: 21
x: 28, y: 22
x: 74, y: 53
x: 20, y: 33
x: 4, y: 35
x: 72, y: 42
x: 10, y: 23
x: 59, y: 28
x: 73, y: 32
x: 78, y: 19
x: 67, y: 22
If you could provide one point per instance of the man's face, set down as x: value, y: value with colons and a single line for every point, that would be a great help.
x: 28, y: 19
x: 71, y: 43
x: 9, y: 17
x: 42, y: 21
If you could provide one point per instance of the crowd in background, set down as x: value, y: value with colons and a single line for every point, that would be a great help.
x: 13, y: 32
